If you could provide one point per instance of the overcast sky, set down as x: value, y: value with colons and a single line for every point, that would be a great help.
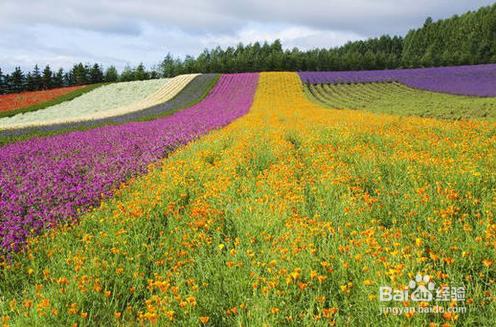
x: 120, y: 32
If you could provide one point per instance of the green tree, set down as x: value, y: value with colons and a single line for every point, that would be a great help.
x: 17, y: 80
x: 80, y: 74
x: 127, y: 74
x: 140, y: 73
x: 168, y: 66
x: 462, y: 39
x: 58, y: 78
x: 29, y: 82
x: 69, y: 79
x: 95, y: 74
x: 46, y: 79
x: 111, y: 75
x: 37, y: 81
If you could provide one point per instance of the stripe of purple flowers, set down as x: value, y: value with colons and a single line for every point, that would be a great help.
x: 48, y: 180
x: 476, y: 80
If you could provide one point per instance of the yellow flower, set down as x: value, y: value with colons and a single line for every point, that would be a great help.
x: 368, y: 282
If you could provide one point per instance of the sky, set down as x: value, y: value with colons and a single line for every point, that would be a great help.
x: 127, y: 32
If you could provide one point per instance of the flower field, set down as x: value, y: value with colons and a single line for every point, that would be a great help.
x: 109, y: 100
x: 47, y: 180
x: 45, y: 103
x: 477, y: 80
x: 189, y: 95
x: 292, y: 214
x: 21, y: 100
x: 396, y: 98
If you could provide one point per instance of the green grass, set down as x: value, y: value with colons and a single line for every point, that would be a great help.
x: 398, y: 99
x: 63, y: 98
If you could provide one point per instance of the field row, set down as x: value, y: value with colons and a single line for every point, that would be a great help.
x: 16, y: 101
x: 116, y: 103
x: 292, y: 215
x: 14, y: 104
x: 477, y: 80
x: 397, y: 99
x: 191, y: 94
x: 106, y: 101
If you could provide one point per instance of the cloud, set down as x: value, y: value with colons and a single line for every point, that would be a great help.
x: 61, y: 32
x: 291, y: 36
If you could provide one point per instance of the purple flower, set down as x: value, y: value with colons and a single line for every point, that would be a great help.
x: 46, y: 180
x: 477, y: 80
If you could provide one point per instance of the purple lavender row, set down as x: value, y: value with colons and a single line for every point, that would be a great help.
x: 46, y: 180
x: 477, y: 80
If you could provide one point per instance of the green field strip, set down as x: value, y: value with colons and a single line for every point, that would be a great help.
x: 396, y: 98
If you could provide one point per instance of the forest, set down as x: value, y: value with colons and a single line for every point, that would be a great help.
x: 460, y: 40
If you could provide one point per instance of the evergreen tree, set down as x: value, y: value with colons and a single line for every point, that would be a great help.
x: 46, y: 80
x: 79, y: 74
x: 111, y: 75
x: 69, y: 79
x: 37, y: 81
x: 29, y: 82
x: 154, y: 74
x: 465, y: 39
x: 58, y: 78
x: 140, y: 73
x: 168, y: 66
x: 96, y: 74
x: 17, y: 80
x: 127, y: 74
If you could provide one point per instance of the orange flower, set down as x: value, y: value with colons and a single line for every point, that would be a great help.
x: 329, y: 312
x: 487, y: 263
x: 448, y: 316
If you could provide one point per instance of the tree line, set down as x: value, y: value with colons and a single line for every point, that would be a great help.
x: 466, y: 39
x: 79, y: 74
x: 377, y: 53
x: 459, y: 40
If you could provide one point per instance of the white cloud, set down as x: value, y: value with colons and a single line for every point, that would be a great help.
x: 291, y: 36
